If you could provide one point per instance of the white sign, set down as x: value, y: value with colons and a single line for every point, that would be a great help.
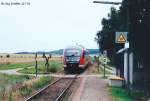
x: 105, y: 53
x: 126, y: 45
x: 104, y: 60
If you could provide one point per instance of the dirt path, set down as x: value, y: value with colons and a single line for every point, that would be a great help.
x: 92, y: 89
x: 11, y: 71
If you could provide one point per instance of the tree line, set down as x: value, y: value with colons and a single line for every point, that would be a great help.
x: 133, y: 16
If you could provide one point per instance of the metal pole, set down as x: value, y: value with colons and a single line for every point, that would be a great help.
x: 98, y: 63
x: 36, y: 64
x: 36, y: 68
x: 128, y: 28
x: 106, y: 2
x: 104, y: 70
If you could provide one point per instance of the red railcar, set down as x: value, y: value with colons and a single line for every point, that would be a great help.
x: 75, y: 59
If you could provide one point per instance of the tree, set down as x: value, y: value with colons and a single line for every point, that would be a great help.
x: 133, y: 16
x: 46, y: 61
x: 43, y: 56
x: 7, y: 56
x: 106, y: 37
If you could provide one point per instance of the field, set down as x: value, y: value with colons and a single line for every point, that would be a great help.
x: 54, y: 66
x: 22, y: 58
x: 14, y: 66
x: 27, y: 62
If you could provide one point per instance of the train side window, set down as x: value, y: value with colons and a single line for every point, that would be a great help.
x: 86, y: 53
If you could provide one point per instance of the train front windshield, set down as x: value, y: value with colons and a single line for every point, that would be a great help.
x: 73, y: 52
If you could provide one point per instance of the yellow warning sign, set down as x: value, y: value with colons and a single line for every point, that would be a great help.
x: 121, y: 37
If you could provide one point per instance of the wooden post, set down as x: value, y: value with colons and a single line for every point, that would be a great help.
x: 36, y: 64
x: 46, y: 61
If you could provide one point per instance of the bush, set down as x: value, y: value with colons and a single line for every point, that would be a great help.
x: 7, y: 56
x: 25, y: 90
x: 7, y: 63
x: 54, y: 67
x: 53, y: 70
x: 10, y: 97
x: 27, y: 77
x: 43, y: 81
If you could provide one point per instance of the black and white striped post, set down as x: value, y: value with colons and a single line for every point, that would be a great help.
x: 36, y: 64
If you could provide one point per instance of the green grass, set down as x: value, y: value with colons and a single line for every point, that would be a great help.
x: 14, y: 66
x: 12, y: 79
x: 54, y: 67
x: 25, y: 91
x: 120, y: 94
x: 32, y: 70
x: 42, y: 82
x: 7, y: 82
x: 20, y: 65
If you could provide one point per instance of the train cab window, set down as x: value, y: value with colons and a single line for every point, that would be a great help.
x: 73, y: 52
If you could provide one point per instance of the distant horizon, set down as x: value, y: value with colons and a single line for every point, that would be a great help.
x: 37, y: 51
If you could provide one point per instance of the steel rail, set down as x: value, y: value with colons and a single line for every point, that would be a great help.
x: 38, y: 92
x: 41, y: 90
x: 65, y: 90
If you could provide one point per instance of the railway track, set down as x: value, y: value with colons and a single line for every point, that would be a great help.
x: 54, y: 91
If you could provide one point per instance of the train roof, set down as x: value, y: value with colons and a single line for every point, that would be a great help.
x: 75, y: 47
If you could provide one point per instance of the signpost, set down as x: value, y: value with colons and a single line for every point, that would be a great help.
x: 104, y: 60
x: 126, y: 45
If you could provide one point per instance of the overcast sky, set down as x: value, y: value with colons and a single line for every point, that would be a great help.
x: 48, y: 25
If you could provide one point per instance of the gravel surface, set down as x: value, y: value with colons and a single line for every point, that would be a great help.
x: 92, y: 88
x: 95, y: 90
x: 73, y: 89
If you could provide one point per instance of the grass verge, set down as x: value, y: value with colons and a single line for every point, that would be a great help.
x: 12, y: 91
x: 34, y: 84
x: 120, y: 94
x: 8, y: 83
